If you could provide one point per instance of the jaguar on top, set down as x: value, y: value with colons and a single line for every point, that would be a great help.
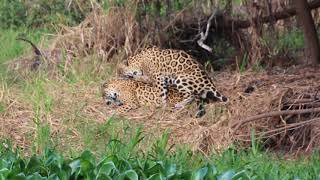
x: 168, y: 67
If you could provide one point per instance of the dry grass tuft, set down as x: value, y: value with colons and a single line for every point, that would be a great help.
x: 101, y: 33
x: 288, y: 93
x: 105, y: 35
x: 205, y: 134
x: 15, y: 122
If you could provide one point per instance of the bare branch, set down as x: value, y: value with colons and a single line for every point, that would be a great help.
x: 274, y: 113
x: 286, y: 13
x: 203, y: 36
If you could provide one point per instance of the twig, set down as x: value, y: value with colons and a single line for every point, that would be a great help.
x: 280, y: 130
x: 272, y: 114
x: 290, y: 127
x: 171, y: 23
x: 311, y: 142
x: 300, y: 101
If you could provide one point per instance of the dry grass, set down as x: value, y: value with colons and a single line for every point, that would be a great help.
x: 79, y: 106
x: 103, y: 34
x: 281, y: 91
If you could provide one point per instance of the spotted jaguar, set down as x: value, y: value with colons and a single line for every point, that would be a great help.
x: 129, y: 94
x: 168, y: 67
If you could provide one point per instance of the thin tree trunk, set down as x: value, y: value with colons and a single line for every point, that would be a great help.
x: 306, y: 22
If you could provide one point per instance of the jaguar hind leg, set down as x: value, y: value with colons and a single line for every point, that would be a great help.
x: 188, y: 98
x: 213, y: 95
x: 184, y: 88
x: 162, y: 85
x: 201, y: 110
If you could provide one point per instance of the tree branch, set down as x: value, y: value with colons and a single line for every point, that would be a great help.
x: 274, y: 113
x: 203, y: 36
x: 286, y: 13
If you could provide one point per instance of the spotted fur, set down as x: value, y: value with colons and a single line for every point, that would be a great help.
x: 167, y: 67
x: 130, y: 94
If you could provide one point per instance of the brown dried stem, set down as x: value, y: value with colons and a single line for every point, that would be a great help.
x: 274, y: 113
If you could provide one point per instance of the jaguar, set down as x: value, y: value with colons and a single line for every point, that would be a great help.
x: 129, y: 94
x: 169, y: 67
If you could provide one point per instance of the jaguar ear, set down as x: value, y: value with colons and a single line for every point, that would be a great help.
x: 103, y: 86
x: 120, y: 69
x: 125, y: 62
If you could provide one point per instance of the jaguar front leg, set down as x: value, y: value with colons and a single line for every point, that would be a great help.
x: 126, y: 108
x: 201, y: 109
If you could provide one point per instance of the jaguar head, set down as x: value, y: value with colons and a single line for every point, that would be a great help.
x: 111, y: 95
x: 132, y: 72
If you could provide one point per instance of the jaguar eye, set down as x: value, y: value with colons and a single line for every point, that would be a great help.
x: 135, y: 73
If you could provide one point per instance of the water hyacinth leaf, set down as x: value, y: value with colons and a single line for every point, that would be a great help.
x: 148, y: 165
x: 170, y: 170
x: 242, y: 174
x: 103, y: 177
x: 212, y: 171
x: 228, y: 175
x: 131, y: 174
x: 3, y: 163
x: 88, y: 156
x: 124, y: 165
x: 297, y: 178
x: 107, y: 168
x: 101, y: 162
x: 33, y: 165
x: 35, y: 176
x: 158, y: 167
x: 157, y: 176
x: 153, y: 177
x: 54, y: 177
x: 75, y: 166
x: 86, y: 166
x: 17, y: 167
x: 4, y: 173
x: 65, y: 173
x: 141, y: 174
x: 20, y: 176
x: 186, y: 175
x: 54, y: 159
x: 200, y: 173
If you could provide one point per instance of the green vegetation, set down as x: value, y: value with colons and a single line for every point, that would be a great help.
x: 288, y: 41
x: 42, y: 13
x: 10, y: 48
x: 121, y: 160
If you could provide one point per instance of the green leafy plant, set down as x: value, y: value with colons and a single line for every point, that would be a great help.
x: 124, y: 164
x: 42, y: 13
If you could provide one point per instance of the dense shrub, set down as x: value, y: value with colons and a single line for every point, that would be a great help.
x: 42, y: 13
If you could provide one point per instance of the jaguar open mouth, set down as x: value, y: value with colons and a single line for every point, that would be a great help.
x: 110, y: 100
x: 129, y: 76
